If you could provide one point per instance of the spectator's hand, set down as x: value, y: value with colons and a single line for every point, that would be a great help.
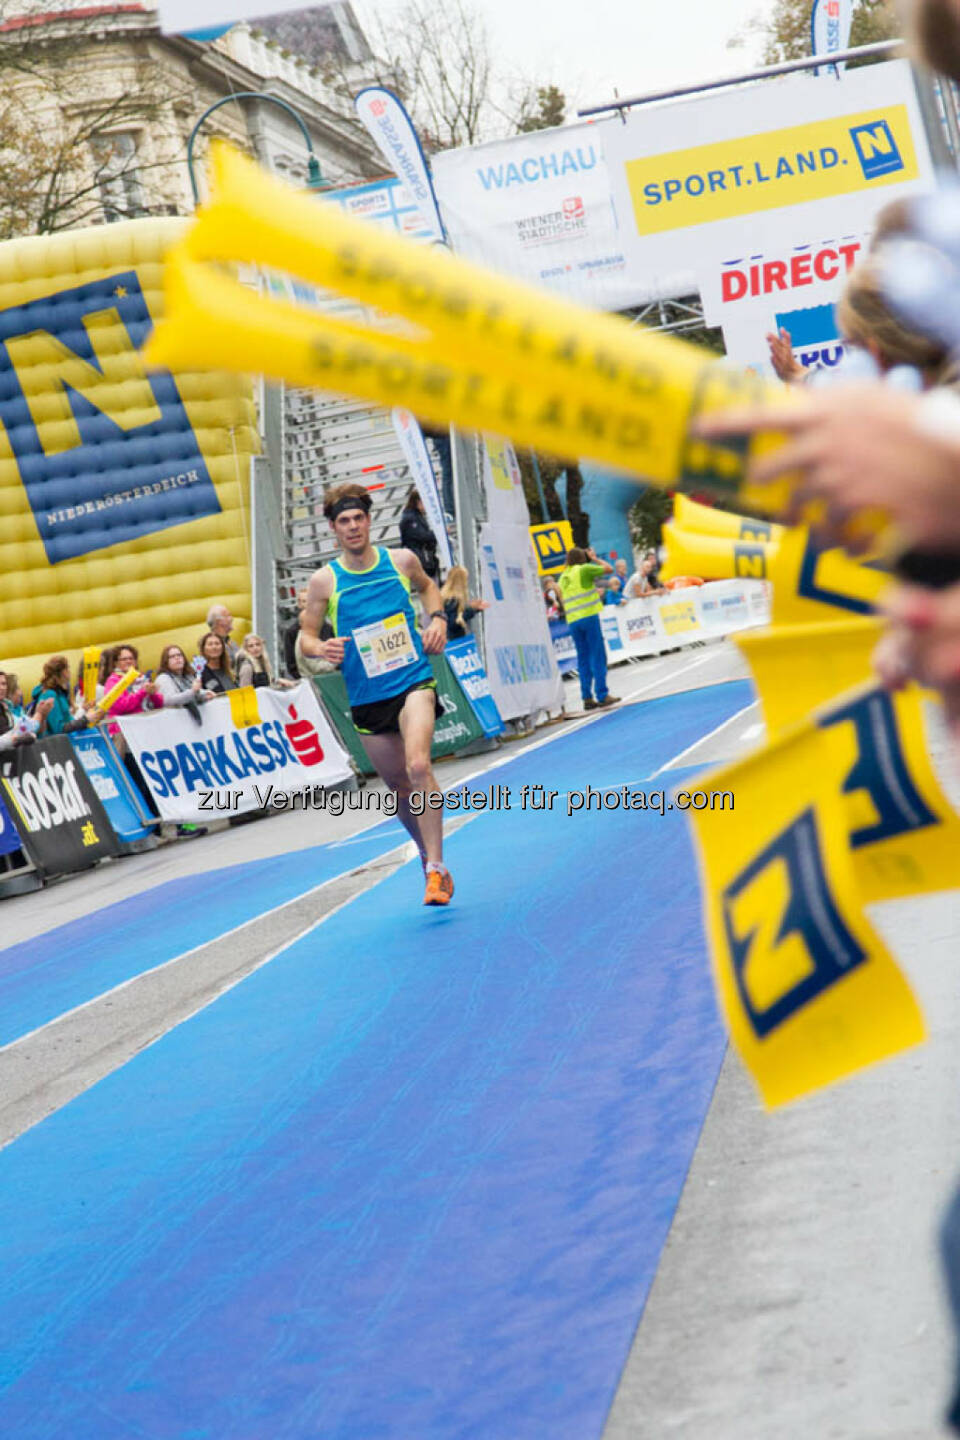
x: 785, y: 364
x: 195, y: 687
x: 480, y: 604
x: 853, y: 449
x: 923, y: 644
x: 434, y: 637
x: 286, y: 684
x: 43, y: 709
x: 330, y: 650
x: 24, y: 737
x: 205, y: 694
x: 150, y: 687
x: 93, y: 716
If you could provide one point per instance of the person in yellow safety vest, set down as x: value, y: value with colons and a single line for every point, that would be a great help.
x: 582, y: 604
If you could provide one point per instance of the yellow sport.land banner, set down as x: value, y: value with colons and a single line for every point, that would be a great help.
x: 810, y: 992
x: 817, y: 160
x: 123, y: 495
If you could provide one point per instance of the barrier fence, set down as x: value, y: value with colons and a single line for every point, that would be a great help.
x: 669, y: 621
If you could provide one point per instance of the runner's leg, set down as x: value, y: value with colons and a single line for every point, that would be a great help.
x: 416, y: 726
x: 387, y: 756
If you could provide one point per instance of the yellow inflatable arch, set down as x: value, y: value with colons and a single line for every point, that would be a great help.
x: 124, y: 495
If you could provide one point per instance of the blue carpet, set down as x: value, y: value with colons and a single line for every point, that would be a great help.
x: 411, y: 1179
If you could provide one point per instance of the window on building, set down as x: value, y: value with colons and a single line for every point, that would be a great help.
x: 118, y: 175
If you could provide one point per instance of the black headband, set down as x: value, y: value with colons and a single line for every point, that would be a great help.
x: 350, y: 502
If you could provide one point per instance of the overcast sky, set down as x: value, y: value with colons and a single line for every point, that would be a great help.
x: 591, y: 47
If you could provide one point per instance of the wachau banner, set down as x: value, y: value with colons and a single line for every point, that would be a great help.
x: 391, y: 129
x: 830, y: 22
x: 414, y: 449
x: 252, y: 750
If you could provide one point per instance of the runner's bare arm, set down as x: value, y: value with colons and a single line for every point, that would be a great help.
x: 434, y: 633
x: 312, y: 617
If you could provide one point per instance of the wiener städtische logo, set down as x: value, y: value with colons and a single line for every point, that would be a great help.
x: 771, y: 170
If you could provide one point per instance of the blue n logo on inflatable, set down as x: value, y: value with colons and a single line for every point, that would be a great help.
x: 106, y: 453
x: 779, y: 915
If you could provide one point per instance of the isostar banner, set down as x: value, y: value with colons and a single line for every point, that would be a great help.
x: 830, y: 22
x: 539, y: 206
x: 414, y: 449
x: 383, y: 116
x: 788, y: 162
x: 254, y: 749
x: 62, y: 825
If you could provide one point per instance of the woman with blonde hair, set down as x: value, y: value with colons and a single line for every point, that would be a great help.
x: 458, y: 608
x: 253, y: 664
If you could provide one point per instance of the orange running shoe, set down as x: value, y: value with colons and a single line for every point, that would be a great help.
x: 439, y: 889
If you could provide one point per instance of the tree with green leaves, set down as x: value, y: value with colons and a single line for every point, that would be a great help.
x: 787, y: 29
x: 542, y: 109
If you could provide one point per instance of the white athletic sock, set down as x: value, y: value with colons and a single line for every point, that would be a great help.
x: 437, y: 865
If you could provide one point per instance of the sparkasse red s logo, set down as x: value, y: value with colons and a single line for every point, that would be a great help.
x: 304, y: 739
x: 573, y: 208
x: 378, y: 108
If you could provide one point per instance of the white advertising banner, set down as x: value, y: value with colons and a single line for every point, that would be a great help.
x: 414, y: 449
x: 793, y: 288
x: 787, y: 162
x: 391, y: 129
x: 503, y: 484
x: 830, y: 22
x: 520, y: 664
x: 539, y: 206
x: 250, y: 749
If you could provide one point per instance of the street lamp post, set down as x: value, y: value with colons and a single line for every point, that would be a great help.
x: 315, y: 179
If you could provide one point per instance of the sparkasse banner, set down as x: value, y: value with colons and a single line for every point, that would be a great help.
x: 251, y: 749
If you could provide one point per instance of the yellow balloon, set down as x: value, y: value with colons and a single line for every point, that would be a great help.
x: 715, y: 557
x: 689, y: 515
x: 123, y: 495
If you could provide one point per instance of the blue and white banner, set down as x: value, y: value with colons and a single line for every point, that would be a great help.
x: 9, y: 839
x: 467, y: 664
x: 524, y: 678
x: 830, y: 22
x: 414, y: 449
x: 391, y: 130
x: 107, y: 775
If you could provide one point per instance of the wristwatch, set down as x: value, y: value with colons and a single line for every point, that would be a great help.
x: 438, y: 615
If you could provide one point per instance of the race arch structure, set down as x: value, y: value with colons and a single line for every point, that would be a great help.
x: 124, y: 494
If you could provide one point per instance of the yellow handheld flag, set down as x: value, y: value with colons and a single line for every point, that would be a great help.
x: 90, y: 668
x: 115, y: 691
x: 480, y: 350
x: 810, y: 992
x: 811, y: 585
x: 904, y: 833
x: 795, y: 668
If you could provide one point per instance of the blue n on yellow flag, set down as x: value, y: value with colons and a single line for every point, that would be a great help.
x: 809, y: 990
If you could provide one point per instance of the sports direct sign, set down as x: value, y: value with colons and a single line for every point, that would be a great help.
x: 794, y: 289
x: 252, y: 748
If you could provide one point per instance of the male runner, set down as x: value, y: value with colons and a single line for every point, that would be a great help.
x: 366, y: 596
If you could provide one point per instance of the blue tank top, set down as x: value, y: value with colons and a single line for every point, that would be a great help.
x: 385, y: 654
